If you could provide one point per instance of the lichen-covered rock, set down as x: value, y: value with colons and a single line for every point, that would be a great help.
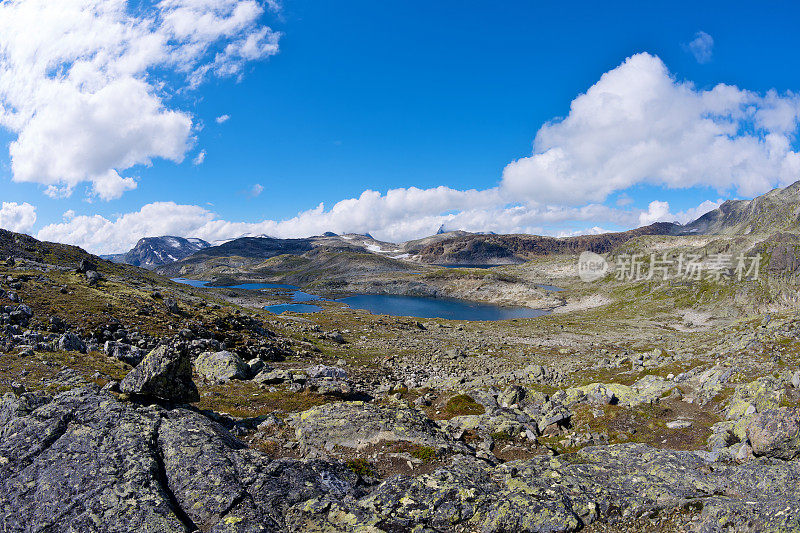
x: 557, y: 494
x: 356, y: 425
x: 711, y: 381
x: 513, y: 394
x: 776, y: 433
x: 86, y: 462
x: 164, y: 374
x: 648, y: 389
x: 755, y: 397
x: 219, y: 366
x: 269, y: 376
x: 12, y: 406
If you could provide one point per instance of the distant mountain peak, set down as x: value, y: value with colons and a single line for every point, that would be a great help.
x: 152, y: 252
x: 776, y: 210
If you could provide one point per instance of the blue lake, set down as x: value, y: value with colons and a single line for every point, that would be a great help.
x: 413, y: 306
x: 449, y: 308
x: 292, y: 308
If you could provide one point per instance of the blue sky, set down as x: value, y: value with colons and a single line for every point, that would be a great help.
x: 385, y: 95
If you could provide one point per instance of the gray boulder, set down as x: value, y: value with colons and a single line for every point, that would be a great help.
x: 514, y: 394
x: 776, y: 433
x: 172, y: 306
x: 93, y: 277
x: 69, y: 342
x: 124, y: 352
x: 165, y: 374
x: 219, y: 366
x: 322, y: 371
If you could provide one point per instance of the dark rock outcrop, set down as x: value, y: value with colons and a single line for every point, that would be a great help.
x: 164, y: 374
x: 86, y: 462
x: 71, y: 342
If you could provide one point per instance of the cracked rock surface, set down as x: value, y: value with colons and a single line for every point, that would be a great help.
x: 85, y: 461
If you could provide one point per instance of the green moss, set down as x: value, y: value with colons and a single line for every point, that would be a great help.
x: 361, y: 467
x: 463, y: 404
x: 426, y: 454
x: 501, y: 436
x: 245, y: 399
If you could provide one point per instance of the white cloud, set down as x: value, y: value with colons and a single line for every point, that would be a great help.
x: 84, y: 84
x: 98, y: 234
x: 623, y: 200
x: 398, y: 215
x: 637, y: 124
x: 596, y: 230
x: 199, y: 158
x: 659, y: 211
x: 222, y: 119
x: 684, y: 217
x: 701, y: 47
x: 656, y: 212
x: 17, y: 217
x: 256, y: 190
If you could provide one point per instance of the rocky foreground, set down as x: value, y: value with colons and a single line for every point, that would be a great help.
x: 99, y: 460
x: 130, y: 403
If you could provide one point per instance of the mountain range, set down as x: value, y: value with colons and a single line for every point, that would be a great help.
x: 775, y: 211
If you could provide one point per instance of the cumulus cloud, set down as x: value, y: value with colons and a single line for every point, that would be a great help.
x: 595, y: 230
x: 222, y: 119
x: 199, y: 158
x: 17, y: 217
x: 100, y: 235
x: 701, y: 47
x: 85, y: 84
x: 256, y: 190
x: 638, y: 124
x: 659, y: 211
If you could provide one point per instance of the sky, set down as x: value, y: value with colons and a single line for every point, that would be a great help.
x: 220, y: 118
